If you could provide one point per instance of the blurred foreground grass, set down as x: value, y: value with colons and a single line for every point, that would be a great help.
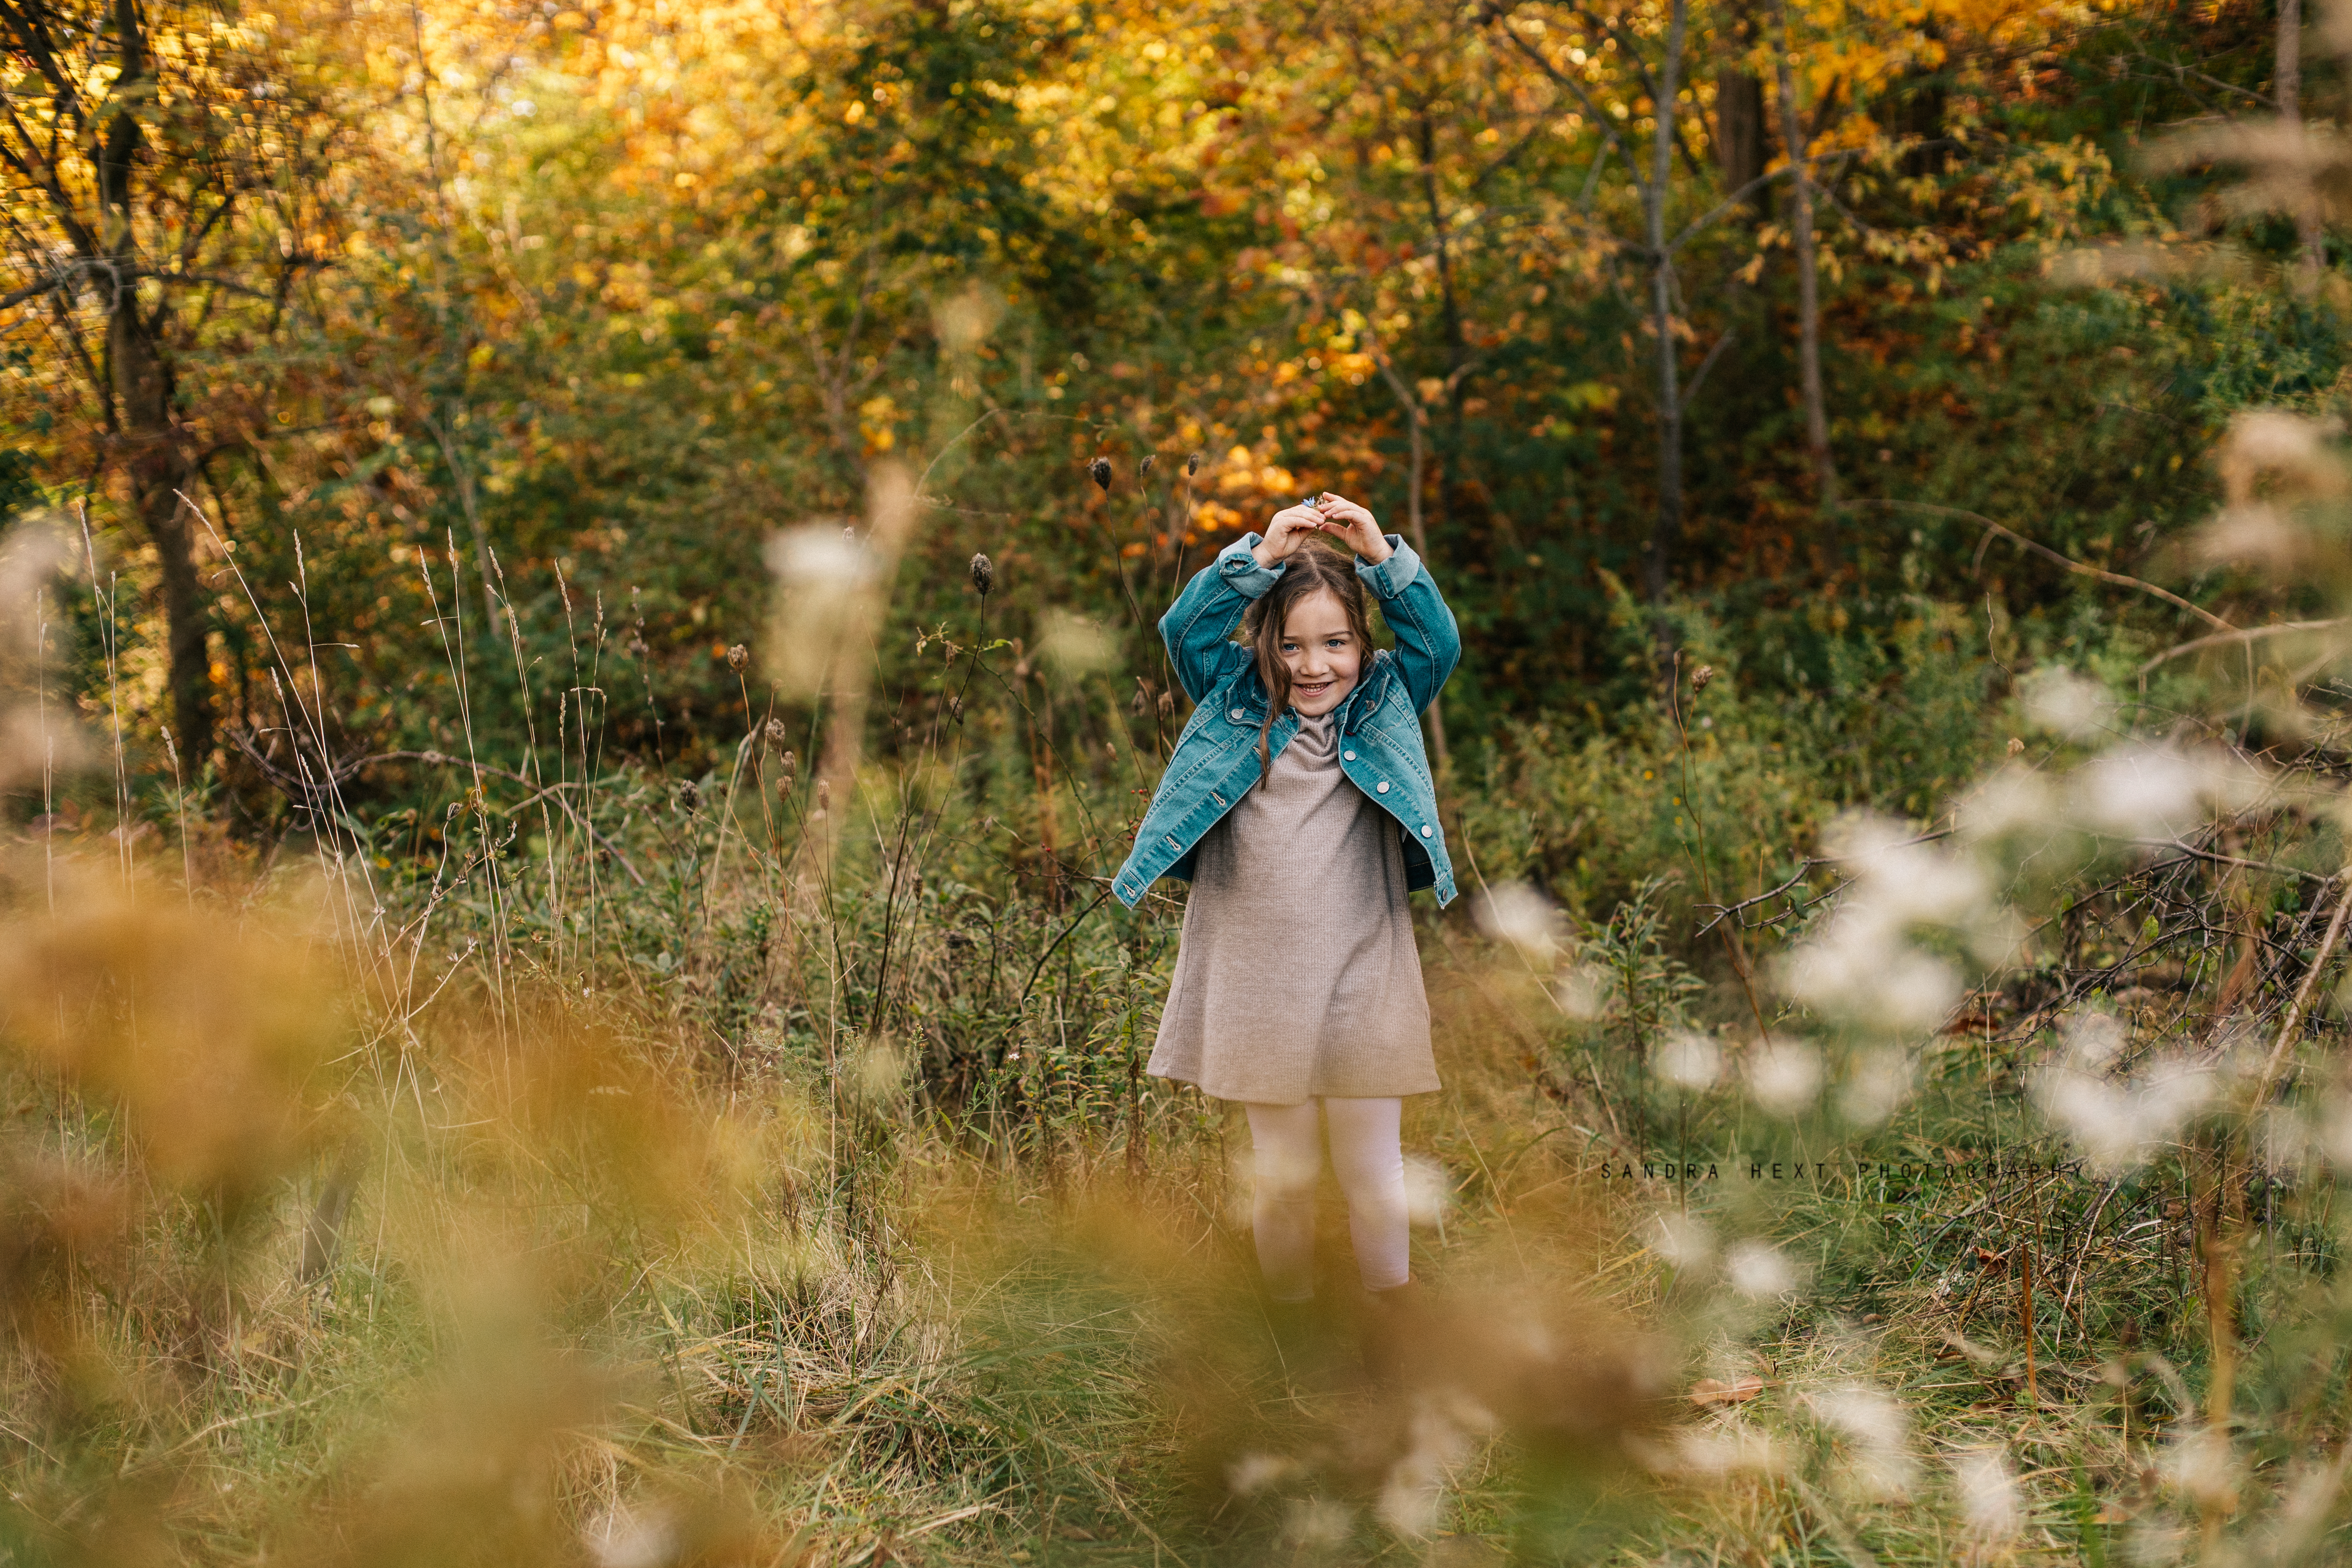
x: 525, y: 1276
x: 309, y: 1257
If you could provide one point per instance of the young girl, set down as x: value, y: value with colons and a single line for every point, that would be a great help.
x: 1300, y: 806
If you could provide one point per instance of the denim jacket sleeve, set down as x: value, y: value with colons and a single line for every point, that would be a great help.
x: 1429, y: 643
x: 1198, y: 627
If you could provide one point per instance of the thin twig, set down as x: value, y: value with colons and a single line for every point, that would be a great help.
x: 2117, y: 578
x: 1805, y: 867
x: 2251, y: 634
x: 2303, y: 993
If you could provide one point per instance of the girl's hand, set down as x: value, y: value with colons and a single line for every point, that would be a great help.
x: 1286, y: 533
x: 1344, y: 519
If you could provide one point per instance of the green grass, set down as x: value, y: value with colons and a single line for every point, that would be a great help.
x: 735, y: 1185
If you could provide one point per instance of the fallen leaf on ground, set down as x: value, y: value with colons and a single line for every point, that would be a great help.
x: 1708, y: 1392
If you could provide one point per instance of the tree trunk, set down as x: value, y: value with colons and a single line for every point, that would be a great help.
x: 142, y: 392
x: 1416, y: 417
x: 1667, y: 524
x: 1809, y: 299
x: 2288, y: 84
x: 323, y: 1230
x: 1740, y: 135
x: 1418, y: 424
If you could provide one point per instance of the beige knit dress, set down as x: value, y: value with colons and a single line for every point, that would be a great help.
x: 1297, y: 977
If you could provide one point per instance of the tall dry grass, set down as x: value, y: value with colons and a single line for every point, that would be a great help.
x: 581, y: 1163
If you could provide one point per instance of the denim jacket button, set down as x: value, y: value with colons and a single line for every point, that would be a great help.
x: 1238, y: 713
x: 1385, y: 787
x: 1349, y: 756
x: 1425, y: 832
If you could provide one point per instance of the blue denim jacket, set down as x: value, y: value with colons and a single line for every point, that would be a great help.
x: 1379, y: 725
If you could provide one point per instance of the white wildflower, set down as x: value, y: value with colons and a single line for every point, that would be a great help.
x: 2163, y: 792
x: 1719, y: 1453
x: 2151, y: 1542
x: 1413, y: 1490
x: 1785, y: 1077
x: 2119, y: 1123
x: 1428, y: 1190
x: 2204, y: 1468
x: 1875, y: 1426
x: 1253, y: 1473
x: 1517, y: 914
x: 1876, y: 1087
x: 2094, y: 1040
x: 2274, y: 441
x: 626, y: 1538
x: 1317, y: 1522
x: 1760, y: 1271
x: 2065, y: 703
x: 1990, y: 1503
x: 1864, y: 1413
x: 2256, y: 532
x: 2334, y: 1137
x: 1690, y: 1061
x: 2286, y: 1140
x: 1684, y: 1242
x: 2011, y: 799
x: 1582, y: 992
x: 824, y: 575
x: 1910, y: 882
x: 1862, y: 962
x: 1865, y: 970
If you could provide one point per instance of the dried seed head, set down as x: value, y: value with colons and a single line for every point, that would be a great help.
x: 983, y: 574
x: 1701, y: 676
x: 738, y: 656
x: 785, y: 764
x: 1167, y: 703
x: 1099, y: 471
x: 824, y: 794
x: 1192, y: 465
x: 955, y: 708
x: 774, y: 735
x: 1143, y: 469
x: 689, y: 796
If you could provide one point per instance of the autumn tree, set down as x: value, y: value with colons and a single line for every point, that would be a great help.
x: 166, y: 171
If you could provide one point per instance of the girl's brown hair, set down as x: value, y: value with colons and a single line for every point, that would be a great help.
x: 1310, y: 568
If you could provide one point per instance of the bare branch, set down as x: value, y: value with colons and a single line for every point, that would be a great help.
x: 2117, y: 578
x: 2252, y: 634
x: 1746, y: 191
x: 1601, y: 122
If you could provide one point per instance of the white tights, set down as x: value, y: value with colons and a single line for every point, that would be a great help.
x: 1368, y: 1159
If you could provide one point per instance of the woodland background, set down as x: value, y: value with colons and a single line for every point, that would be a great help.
x: 558, y: 999
x: 613, y: 294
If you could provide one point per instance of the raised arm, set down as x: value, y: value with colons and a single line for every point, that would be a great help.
x: 1429, y: 643
x: 1198, y: 627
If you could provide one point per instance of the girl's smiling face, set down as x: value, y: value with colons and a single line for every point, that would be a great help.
x: 1322, y: 653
